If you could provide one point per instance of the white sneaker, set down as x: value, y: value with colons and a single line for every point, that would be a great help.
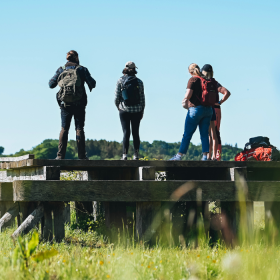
x: 136, y: 155
x: 124, y: 157
x: 176, y: 157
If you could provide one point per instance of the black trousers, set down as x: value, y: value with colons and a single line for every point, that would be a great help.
x: 133, y: 119
x: 79, y: 113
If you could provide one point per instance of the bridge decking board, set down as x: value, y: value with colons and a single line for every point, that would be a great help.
x: 107, y: 190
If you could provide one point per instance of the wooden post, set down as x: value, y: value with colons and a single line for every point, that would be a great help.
x: 30, y: 221
x: 67, y: 213
x: 46, y: 223
x: 148, y: 214
x: 52, y: 173
x: 9, y: 215
x: 59, y: 220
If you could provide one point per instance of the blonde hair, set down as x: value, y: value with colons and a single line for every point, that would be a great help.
x: 208, y: 75
x: 194, y: 70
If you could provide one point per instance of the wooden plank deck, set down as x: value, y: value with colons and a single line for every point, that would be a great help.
x: 68, y: 164
x: 110, y: 190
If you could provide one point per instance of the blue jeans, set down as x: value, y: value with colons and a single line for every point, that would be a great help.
x: 197, y: 116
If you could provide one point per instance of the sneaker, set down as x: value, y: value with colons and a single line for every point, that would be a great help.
x: 58, y: 158
x: 204, y: 157
x: 136, y: 155
x: 124, y: 157
x: 176, y: 157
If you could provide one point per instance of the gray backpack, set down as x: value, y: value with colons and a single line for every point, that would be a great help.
x: 70, y: 83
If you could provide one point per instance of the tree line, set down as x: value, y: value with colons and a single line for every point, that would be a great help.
x: 112, y: 150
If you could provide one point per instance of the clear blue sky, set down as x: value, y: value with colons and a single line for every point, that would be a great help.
x: 239, y: 38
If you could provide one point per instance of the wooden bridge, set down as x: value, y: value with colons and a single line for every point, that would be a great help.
x: 33, y: 188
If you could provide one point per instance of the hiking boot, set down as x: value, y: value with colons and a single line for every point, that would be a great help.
x: 136, y: 155
x: 176, y: 157
x: 124, y: 157
x: 204, y: 157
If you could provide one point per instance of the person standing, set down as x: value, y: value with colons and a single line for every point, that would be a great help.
x: 130, y: 101
x: 208, y: 73
x: 72, y: 100
x: 198, y: 115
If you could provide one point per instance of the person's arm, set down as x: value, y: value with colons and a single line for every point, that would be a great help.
x: 118, y: 93
x: 225, y: 92
x: 187, y: 97
x: 89, y: 80
x: 53, y: 80
x: 142, y: 95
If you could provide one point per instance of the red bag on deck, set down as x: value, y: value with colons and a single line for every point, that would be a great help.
x: 259, y: 154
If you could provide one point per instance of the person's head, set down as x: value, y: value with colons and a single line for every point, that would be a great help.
x: 194, y: 70
x: 73, y: 56
x: 130, y: 69
x: 207, y: 71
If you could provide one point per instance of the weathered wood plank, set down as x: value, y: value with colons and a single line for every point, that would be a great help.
x: 6, y: 191
x: 34, y: 173
x: 161, y: 165
x: 8, y: 159
x: 46, y: 224
x: 30, y: 222
x: 59, y: 220
x: 10, y: 214
x: 29, y: 190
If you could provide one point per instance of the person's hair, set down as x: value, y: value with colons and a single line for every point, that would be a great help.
x: 73, y: 56
x: 194, y: 70
x: 207, y: 75
x: 129, y: 71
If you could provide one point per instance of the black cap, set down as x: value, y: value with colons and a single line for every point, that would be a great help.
x: 207, y: 68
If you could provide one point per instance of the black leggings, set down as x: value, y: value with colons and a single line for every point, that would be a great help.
x: 133, y: 118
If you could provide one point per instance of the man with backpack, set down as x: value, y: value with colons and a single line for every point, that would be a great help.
x: 72, y: 100
x: 130, y: 101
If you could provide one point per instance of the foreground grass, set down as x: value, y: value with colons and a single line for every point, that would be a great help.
x: 87, y: 257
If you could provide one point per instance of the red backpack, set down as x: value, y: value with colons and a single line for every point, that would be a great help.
x: 209, y: 92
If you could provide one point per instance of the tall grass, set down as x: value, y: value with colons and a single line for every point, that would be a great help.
x: 96, y: 255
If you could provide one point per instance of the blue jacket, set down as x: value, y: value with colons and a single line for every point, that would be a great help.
x: 84, y: 75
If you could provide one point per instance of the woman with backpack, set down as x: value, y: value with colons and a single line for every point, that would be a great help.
x: 198, y: 114
x: 130, y: 101
x: 214, y: 135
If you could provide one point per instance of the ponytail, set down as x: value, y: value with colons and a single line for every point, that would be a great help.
x: 194, y: 70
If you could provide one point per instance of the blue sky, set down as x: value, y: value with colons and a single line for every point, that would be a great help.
x: 240, y: 39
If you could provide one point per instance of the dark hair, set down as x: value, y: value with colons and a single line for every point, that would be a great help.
x: 129, y: 71
x: 73, y: 56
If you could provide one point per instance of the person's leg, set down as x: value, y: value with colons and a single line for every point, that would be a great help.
x: 135, y: 125
x: 210, y: 141
x: 125, y: 122
x: 218, y: 124
x: 214, y: 141
x: 204, y: 128
x: 79, y: 116
x: 191, y: 123
x: 66, y: 117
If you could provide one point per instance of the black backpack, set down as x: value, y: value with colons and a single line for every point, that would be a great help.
x: 259, y: 141
x: 130, y: 91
